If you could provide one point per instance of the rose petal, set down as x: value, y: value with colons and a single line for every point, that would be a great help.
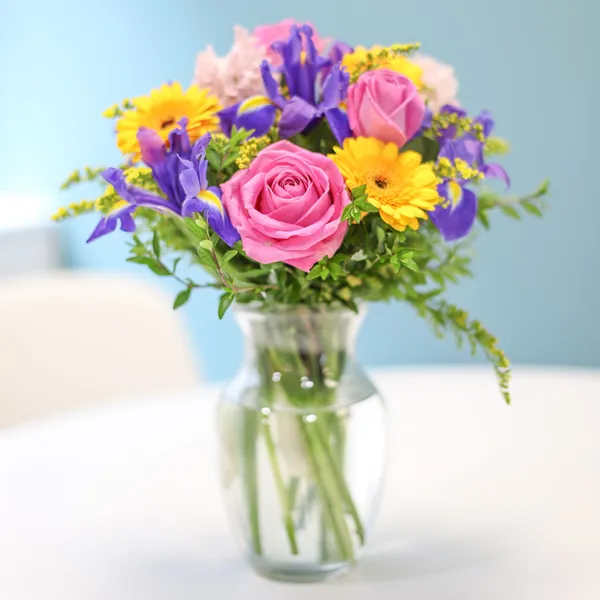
x: 292, y: 212
x: 287, y: 206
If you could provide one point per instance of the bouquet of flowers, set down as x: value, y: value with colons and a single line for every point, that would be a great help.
x: 306, y: 174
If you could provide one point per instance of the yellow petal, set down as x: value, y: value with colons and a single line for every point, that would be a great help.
x: 390, y: 151
x: 409, y: 160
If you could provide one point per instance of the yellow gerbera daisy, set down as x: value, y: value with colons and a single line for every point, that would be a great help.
x: 398, y: 184
x: 162, y: 109
x: 399, y: 64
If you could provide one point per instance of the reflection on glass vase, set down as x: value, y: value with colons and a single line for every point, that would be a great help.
x: 302, y: 443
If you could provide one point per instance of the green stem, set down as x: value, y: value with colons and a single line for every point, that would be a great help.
x: 284, y: 497
x: 191, y: 238
x: 250, y: 478
x: 336, y: 470
x: 293, y: 490
x: 287, y: 502
x: 332, y: 502
x: 323, y: 538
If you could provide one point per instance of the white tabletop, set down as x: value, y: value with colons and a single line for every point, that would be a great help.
x: 483, y: 502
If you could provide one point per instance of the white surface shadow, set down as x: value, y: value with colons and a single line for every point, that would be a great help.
x: 409, y: 558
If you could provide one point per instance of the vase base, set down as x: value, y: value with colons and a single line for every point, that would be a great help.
x: 296, y: 573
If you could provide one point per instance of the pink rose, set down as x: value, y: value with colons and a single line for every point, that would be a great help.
x: 287, y: 206
x: 278, y: 32
x: 385, y: 105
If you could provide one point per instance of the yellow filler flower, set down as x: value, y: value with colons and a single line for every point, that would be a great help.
x: 161, y: 111
x: 398, y: 184
x: 378, y: 57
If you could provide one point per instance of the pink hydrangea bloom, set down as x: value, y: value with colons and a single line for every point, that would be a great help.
x: 236, y: 76
x: 440, y: 81
x: 277, y: 32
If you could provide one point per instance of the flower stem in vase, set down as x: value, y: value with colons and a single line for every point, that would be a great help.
x: 284, y: 495
x: 250, y: 437
x: 336, y: 468
x: 331, y: 500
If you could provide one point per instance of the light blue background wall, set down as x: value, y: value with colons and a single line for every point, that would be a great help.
x: 533, y: 63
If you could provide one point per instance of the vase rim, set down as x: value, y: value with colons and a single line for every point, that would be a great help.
x: 259, y: 309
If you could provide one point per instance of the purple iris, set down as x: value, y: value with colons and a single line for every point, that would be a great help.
x: 456, y: 217
x: 302, y: 68
x: 338, y: 50
x: 336, y: 53
x: 180, y: 173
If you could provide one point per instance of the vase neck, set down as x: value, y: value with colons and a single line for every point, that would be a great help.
x: 300, y: 330
x: 301, y: 357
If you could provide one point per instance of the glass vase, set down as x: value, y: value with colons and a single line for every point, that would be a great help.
x: 302, y: 443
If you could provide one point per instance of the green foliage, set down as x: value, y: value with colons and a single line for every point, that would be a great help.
x: 359, y: 205
x: 116, y: 110
x: 85, y: 175
x: 512, y: 207
x: 182, y: 297
x: 495, y: 146
x: 428, y: 148
x: 225, y: 302
x: 222, y: 154
x: 445, y: 318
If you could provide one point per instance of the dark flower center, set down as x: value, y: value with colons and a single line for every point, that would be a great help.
x: 381, y: 183
x: 167, y: 123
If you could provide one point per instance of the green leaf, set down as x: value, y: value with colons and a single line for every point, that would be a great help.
x: 201, y: 224
x: 359, y: 192
x: 182, y: 298
x: 510, y: 211
x: 228, y: 256
x: 197, y: 227
x: 159, y: 269
x: 426, y: 147
x: 258, y: 272
x: 336, y: 271
x: 347, y: 213
x: 214, y: 158
x: 496, y: 146
x: 239, y: 135
x: 432, y: 294
x: 141, y: 260
x: 151, y: 263
x: 483, y: 219
x: 156, y: 245
x: 315, y: 272
x: 206, y: 244
x: 532, y: 209
x: 294, y: 293
x: 224, y: 303
x: 438, y: 278
x: 543, y: 189
x: 175, y: 263
x: 230, y: 159
x: 410, y: 264
x: 365, y: 205
x: 359, y: 256
x: 207, y: 261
